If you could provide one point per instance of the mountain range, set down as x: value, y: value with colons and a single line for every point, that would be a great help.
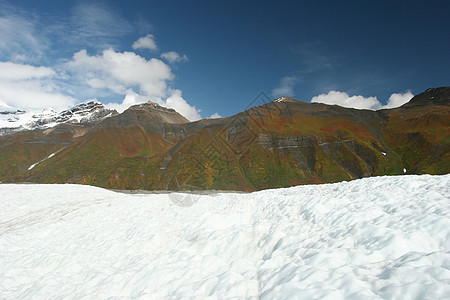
x: 19, y: 120
x: 280, y: 143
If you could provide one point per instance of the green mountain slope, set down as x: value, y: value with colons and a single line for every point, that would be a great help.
x: 282, y: 143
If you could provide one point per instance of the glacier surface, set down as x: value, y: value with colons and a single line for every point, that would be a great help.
x: 374, y: 238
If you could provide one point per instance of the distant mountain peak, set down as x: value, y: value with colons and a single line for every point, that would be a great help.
x: 281, y: 143
x: 148, y: 115
x: 156, y: 106
x: 89, y: 111
x: 164, y: 114
x: 285, y: 99
x: 434, y: 96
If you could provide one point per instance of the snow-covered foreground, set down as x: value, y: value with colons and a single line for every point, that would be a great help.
x: 386, y: 237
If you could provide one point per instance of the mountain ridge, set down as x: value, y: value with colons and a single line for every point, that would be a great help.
x: 281, y: 143
x: 85, y: 112
x: 432, y: 96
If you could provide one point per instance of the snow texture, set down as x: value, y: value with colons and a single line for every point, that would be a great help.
x: 280, y: 99
x: 84, y: 112
x: 374, y: 238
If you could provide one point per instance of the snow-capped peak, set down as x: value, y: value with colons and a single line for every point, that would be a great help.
x: 89, y: 111
x: 49, y: 111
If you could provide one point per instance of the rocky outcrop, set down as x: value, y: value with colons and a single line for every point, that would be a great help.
x: 431, y: 97
x: 282, y: 143
x: 88, y: 112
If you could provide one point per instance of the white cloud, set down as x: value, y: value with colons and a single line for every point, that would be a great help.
x: 361, y: 102
x: 31, y: 88
x: 343, y: 99
x: 12, y: 71
x: 398, y: 99
x: 215, y: 116
x: 286, y: 87
x: 128, y: 74
x: 131, y: 98
x: 173, y: 57
x: 119, y: 71
x: 6, y: 107
x: 109, y: 74
x: 146, y: 42
x: 174, y: 101
x: 177, y: 102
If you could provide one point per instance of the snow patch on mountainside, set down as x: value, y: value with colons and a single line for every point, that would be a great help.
x: 384, y: 237
x: 50, y: 156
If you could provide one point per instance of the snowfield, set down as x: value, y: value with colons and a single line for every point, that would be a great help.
x: 374, y: 238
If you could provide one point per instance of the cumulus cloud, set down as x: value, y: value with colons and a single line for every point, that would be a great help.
x: 131, y: 75
x: 215, y: 116
x: 398, y: 99
x: 109, y: 74
x: 343, y: 99
x: 13, y: 71
x: 173, y: 57
x: 31, y: 88
x: 146, y: 42
x: 131, y: 98
x: 361, y: 102
x: 177, y: 102
x: 286, y: 87
x: 120, y: 71
x: 174, y: 101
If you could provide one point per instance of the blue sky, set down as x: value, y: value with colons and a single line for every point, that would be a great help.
x: 214, y: 57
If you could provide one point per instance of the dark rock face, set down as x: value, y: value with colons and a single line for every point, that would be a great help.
x: 7, y: 130
x: 280, y: 143
x: 17, y: 112
x: 434, y: 96
x: 302, y: 148
x: 91, y: 111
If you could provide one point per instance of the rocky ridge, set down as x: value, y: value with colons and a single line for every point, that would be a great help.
x: 281, y: 143
x: 87, y: 112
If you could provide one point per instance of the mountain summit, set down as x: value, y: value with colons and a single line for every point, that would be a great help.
x: 282, y: 143
x: 87, y: 112
x: 433, y: 96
